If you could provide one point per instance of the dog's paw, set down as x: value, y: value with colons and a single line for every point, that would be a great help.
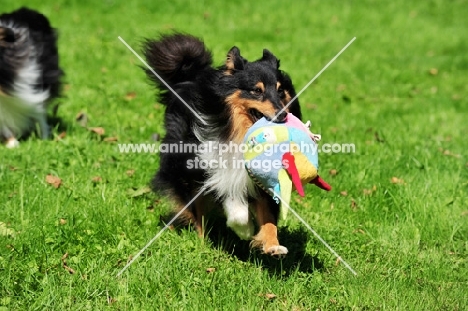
x: 277, y: 251
x: 12, y: 143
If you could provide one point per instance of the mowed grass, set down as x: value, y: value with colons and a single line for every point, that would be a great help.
x: 398, y: 211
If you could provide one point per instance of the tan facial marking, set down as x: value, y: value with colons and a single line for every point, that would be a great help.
x: 287, y: 98
x: 241, y: 118
x: 261, y: 86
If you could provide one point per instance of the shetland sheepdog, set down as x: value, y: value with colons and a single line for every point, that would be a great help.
x: 29, y: 73
x: 219, y: 105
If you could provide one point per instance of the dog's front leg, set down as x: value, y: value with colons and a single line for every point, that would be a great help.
x: 267, y: 238
x: 238, y: 217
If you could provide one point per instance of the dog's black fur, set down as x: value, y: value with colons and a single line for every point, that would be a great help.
x: 229, y: 98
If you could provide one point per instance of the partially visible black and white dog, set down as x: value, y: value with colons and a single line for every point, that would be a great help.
x: 29, y: 73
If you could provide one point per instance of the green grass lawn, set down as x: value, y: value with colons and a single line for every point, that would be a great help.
x: 398, y: 211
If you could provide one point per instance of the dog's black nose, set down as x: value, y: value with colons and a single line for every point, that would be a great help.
x: 280, y: 117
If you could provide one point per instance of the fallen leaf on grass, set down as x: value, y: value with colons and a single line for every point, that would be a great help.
x: 359, y: 230
x: 61, y: 136
x: 97, y: 130
x: 210, y: 270
x: 396, y: 180
x: 354, y: 205
x: 133, y: 193
x: 70, y: 270
x: 333, y: 172
x: 433, y: 71
x: 111, y: 139
x: 54, y: 181
x: 5, y: 231
x: 62, y: 221
x: 82, y: 119
x: 96, y: 179
x: 130, y: 173
x: 344, y: 193
x: 130, y: 95
x: 369, y: 191
x: 268, y: 296
x: 449, y: 153
x: 64, y: 264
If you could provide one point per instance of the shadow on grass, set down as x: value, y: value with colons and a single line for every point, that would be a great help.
x: 295, y: 241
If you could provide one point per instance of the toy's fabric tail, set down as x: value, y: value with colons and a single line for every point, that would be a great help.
x: 319, y: 182
x: 293, y: 172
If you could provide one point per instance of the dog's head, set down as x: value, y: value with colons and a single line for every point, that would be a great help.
x: 256, y: 89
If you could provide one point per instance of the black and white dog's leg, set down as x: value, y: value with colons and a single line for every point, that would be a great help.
x: 43, y: 126
x: 10, y: 139
x: 238, y: 217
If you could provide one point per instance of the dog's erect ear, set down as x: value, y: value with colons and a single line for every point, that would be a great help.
x: 7, y: 35
x: 270, y: 58
x: 234, y: 60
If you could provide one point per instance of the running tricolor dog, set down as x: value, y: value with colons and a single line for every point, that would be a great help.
x: 229, y: 99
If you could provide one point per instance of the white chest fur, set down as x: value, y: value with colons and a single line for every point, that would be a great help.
x: 229, y: 180
x: 25, y: 105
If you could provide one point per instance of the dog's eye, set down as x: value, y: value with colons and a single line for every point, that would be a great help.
x: 257, y: 91
x: 281, y: 92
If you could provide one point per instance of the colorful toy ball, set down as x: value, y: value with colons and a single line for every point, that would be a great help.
x: 280, y: 155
